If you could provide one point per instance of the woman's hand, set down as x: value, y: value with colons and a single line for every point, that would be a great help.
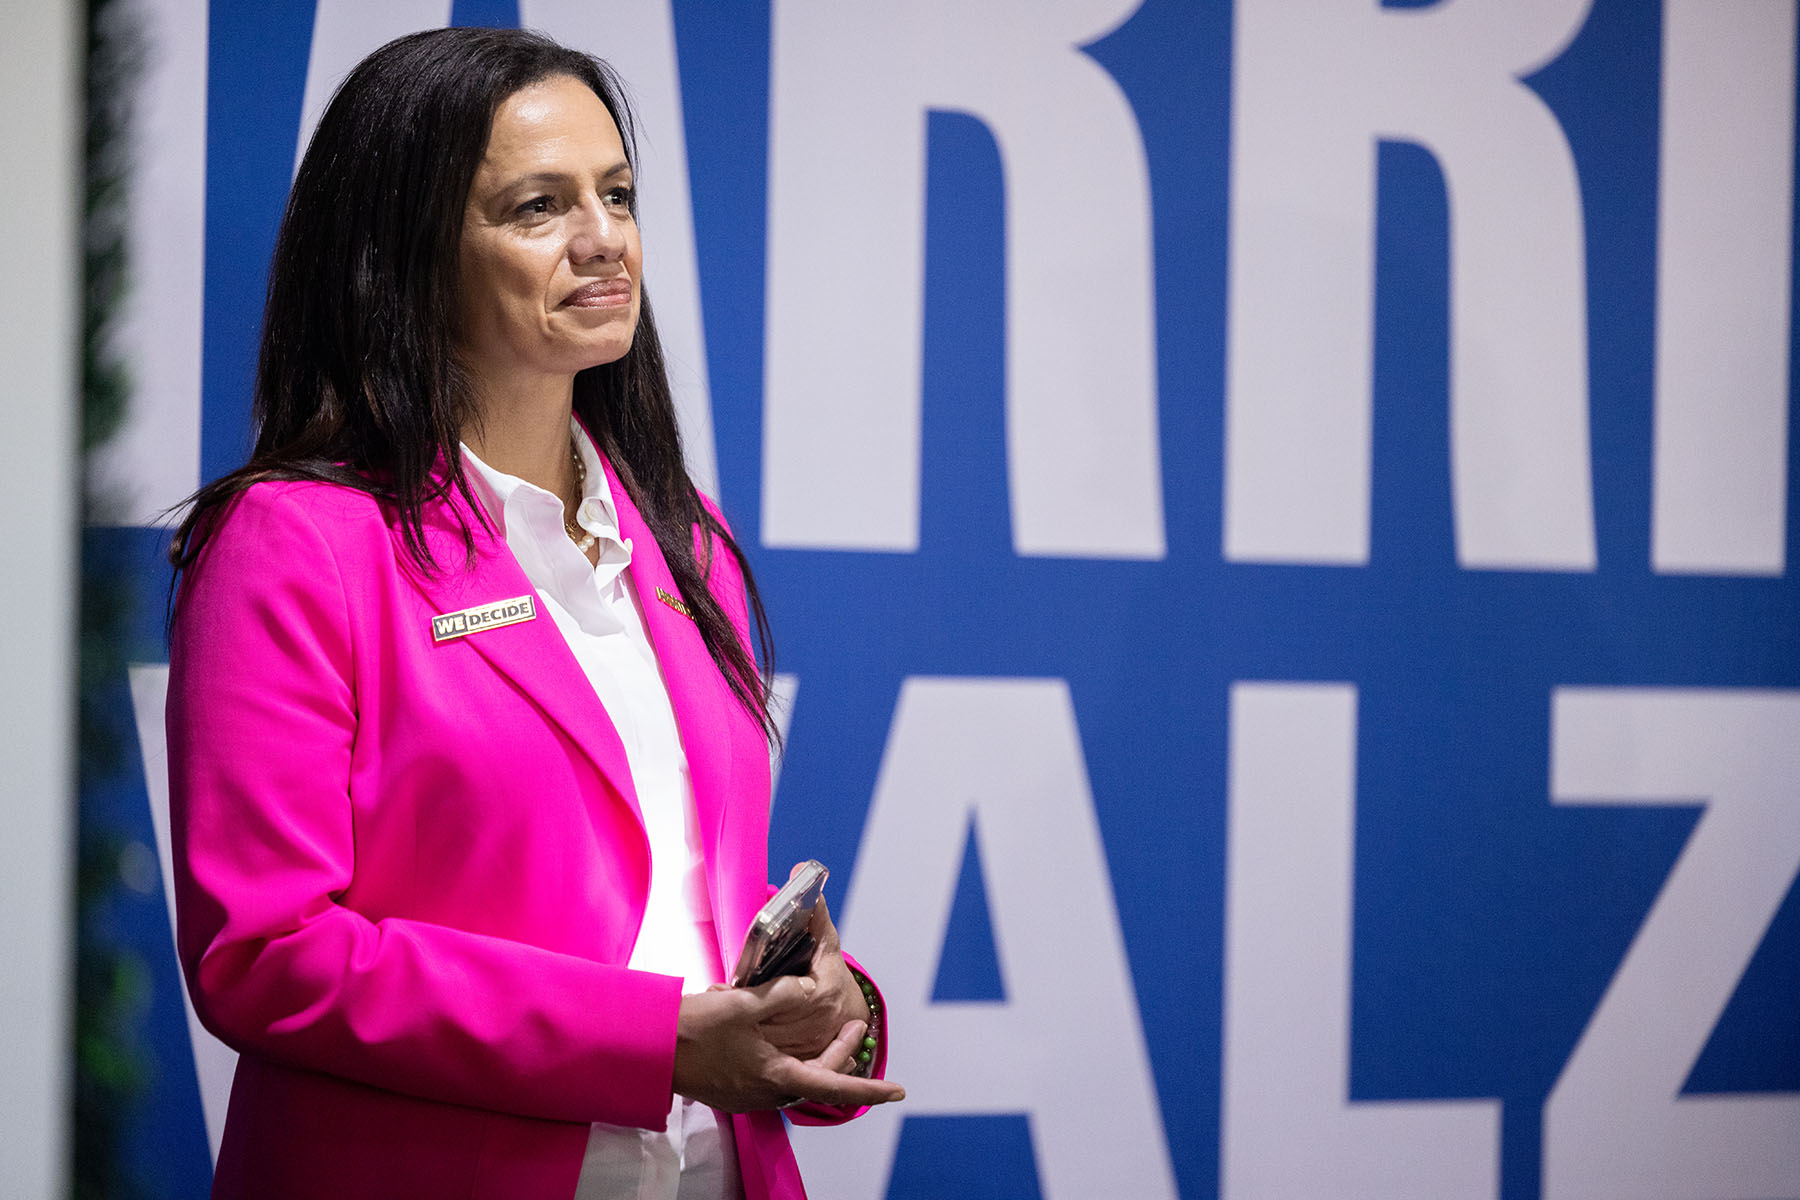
x: 834, y: 1001
x: 723, y: 1060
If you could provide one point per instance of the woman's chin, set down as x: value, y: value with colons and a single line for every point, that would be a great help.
x: 610, y: 354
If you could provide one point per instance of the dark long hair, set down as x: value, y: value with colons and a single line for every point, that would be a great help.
x: 357, y: 380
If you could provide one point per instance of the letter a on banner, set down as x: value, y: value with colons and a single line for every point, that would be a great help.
x: 1067, y: 1046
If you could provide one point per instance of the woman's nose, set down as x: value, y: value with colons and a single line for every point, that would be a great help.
x: 596, y: 233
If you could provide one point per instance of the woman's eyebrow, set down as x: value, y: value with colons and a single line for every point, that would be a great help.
x: 534, y: 179
x: 543, y: 178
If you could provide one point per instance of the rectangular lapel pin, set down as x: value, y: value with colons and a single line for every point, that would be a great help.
x: 674, y: 602
x: 483, y: 616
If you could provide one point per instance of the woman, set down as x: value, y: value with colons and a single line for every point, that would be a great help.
x: 467, y: 743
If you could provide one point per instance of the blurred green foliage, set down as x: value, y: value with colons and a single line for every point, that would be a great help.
x: 111, y: 982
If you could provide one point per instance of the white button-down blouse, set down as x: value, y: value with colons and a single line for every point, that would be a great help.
x: 598, y: 611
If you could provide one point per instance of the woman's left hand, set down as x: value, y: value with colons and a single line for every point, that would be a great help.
x: 836, y: 999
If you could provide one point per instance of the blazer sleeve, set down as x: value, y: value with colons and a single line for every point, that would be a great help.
x: 262, y: 720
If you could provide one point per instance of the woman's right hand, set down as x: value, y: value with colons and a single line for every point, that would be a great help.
x: 723, y: 1060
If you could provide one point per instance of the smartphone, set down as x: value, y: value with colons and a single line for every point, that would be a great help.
x: 780, y: 942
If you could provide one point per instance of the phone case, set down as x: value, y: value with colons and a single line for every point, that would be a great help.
x: 780, y: 942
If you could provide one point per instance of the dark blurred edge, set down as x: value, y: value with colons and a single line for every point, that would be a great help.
x: 111, y: 980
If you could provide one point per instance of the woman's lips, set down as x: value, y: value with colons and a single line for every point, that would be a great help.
x: 602, y: 293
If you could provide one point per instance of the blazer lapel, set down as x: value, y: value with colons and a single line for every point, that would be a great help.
x: 532, y: 654
x: 704, y: 707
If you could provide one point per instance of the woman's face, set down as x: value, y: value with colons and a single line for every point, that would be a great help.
x: 551, y: 263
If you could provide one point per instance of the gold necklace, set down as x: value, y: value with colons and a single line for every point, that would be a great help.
x: 584, y: 541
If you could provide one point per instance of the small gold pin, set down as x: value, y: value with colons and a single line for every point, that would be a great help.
x: 483, y: 616
x: 674, y: 602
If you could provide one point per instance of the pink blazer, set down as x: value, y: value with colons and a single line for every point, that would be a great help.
x: 409, y: 873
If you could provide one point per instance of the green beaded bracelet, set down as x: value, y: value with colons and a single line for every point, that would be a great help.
x: 865, y: 1055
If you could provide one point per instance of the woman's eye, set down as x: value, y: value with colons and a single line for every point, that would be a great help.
x: 619, y: 198
x: 537, y: 206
